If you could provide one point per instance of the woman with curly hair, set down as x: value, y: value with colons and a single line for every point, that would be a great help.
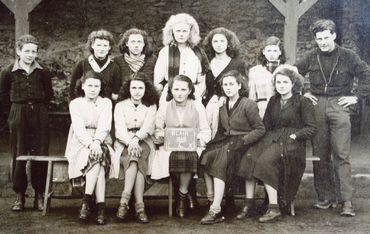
x: 261, y: 87
x: 182, y: 111
x: 180, y: 55
x: 134, y: 118
x: 222, y: 47
x: 279, y: 160
x: 240, y: 126
x: 136, y: 54
x: 99, y: 44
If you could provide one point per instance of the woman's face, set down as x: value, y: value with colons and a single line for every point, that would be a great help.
x: 91, y: 88
x: 230, y: 86
x: 180, y: 91
x: 137, y: 90
x: 219, y: 43
x: 101, y: 48
x: 272, y: 53
x: 283, y: 84
x: 181, y: 32
x: 135, y: 44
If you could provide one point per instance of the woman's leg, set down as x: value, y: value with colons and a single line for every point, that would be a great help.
x: 272, y: 194
x: 184, y: 182
x: 100, y: 186
x: 209, y: 185
x: 185, y: 179
x: 219, y: 189
x: 273, y: 213
x: 139, y: 194
x: 249, y: 199
x: 91, y: 179
x: 130, y: 177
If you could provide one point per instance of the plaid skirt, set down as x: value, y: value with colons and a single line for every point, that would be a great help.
x: 181, y: 161
x: 104, y: 161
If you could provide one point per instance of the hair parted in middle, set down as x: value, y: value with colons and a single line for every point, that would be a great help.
x: 271, y: 40
x: 99, y: 34
x: 150, y: 96
x: 239, y: 79
x: 181, y: 78
x: 233, y: 43
x: 167, y: 31
x: 148, y: 47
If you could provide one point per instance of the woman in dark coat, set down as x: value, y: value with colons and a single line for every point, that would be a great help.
x: 239, y: 127
x: 136, y: 54
x: 281, y: 154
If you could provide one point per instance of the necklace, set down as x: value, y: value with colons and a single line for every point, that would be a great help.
x: 327, y: 82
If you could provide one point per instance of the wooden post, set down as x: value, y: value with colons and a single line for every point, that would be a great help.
x: 21, y: 10
x: 292, y: 10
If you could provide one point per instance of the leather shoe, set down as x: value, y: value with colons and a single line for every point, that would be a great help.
x: 347, y: 209
x: 324, y: 205
x: 246, y: 213
x: 122, y: 211
x: 84, y: 212
x: 181, y: 205
x: 19, y: 203
x: 100, y: 218
x: 272, y: 215
x: 141, y: 217
x: 212, y: 218
x: 38, y: 203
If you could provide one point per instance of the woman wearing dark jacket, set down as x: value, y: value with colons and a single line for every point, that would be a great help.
x: 136, y: 54
x: 280, y: 157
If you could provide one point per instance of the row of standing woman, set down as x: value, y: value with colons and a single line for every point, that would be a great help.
x: 229, y: 125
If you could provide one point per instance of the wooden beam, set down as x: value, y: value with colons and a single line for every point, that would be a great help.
x: 9, y: 4
x: 304, y: 6
x: 280, y: 5
x: 291, y: 30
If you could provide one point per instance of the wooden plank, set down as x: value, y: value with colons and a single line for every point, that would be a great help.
x: 291, y: 30
x: 9, y: 4
x: 280, y: 5
x: 42, y: 158
x: 304, y: 6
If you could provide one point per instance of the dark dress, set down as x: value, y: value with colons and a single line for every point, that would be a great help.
x: 238, y: 129
x: 126, y: 72
x: 213, y: 83
x: 280, y: 160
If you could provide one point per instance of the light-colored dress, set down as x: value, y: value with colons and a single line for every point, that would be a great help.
x: 190, y: 66
x: 90, y: 121
x: 160, y: 167
x: 131, y: 120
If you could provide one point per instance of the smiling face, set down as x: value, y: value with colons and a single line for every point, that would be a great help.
x: 283, y: 85
x: 137, y: 90
x: 181, y: 32
x: 180, y: 91
x: 230, y: 86
x: 325, y: 40
x: 272, y: 53
x: 91, y: 88
x: 219, y: 43
x: 28, y: 53
x: 101, y: 48
x: 135, y: 44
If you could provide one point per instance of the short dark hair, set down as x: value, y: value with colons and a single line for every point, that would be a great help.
x: 181, y: 78
x: 150, y: 96
x: 322, y: 25
x: 233, y: 43
x: 25, y: 39
x: 296, y: 78
x: 99, y: 34
x: 148, y: 47
x: 272, y: 40
x: 239, y: 79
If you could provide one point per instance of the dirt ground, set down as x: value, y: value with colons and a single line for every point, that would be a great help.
x: 62, y: 218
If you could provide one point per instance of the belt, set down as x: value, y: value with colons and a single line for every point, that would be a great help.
x: 133, y: 129
x: 261, y: 99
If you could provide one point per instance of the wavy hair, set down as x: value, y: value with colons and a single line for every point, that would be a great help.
x: 181, y: 78
x: 239, y: 79
x: 167, y: 31
x: 148, y: 47
x: 322, y: 25
x: 296, y: 78
x: 272, y: 40
x: 99, y: 34
x: 24, y: 39
x: 150, y: 97
x: 233, y: 43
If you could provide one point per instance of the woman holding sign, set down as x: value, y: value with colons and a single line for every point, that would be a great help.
x: 239, y: 127
x: 134, y: 118
x: 180, y: 116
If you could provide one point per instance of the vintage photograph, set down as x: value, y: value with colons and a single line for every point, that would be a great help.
x: 184, y: 116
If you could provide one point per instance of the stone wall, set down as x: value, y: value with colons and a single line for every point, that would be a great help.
x: 63, y: 26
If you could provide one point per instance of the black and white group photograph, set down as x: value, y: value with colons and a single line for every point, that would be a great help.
x: 184, y: 116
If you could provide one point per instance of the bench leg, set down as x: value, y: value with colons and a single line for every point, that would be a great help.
x: 292, y: 211
x: 47, y: 187
x: 170, y: 197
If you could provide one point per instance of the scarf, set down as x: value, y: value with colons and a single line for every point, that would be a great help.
x: 135, y: 63
x: 95, y: 66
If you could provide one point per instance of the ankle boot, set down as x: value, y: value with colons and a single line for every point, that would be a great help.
x: 19, y: 202
x: 246, y: 211
x: 272, y: 215
x: 140, y: 214
x: 100, y: 218
x: 38, y: 203
x: 192, y: 195
x: 181, y: 205
x: 85, y: 207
